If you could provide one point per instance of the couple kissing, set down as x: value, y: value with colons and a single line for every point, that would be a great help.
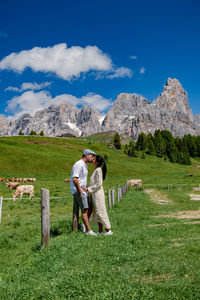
x: 90, y: 198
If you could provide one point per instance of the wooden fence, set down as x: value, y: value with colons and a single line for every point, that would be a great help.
x: 45, y: 210
x: 121, y: 191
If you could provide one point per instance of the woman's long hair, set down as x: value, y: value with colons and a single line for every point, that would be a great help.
x: 101, y: 163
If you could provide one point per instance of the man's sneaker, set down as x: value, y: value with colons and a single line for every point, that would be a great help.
x: 83, y: 229
x: 91, y: 233
x: 108, y: 232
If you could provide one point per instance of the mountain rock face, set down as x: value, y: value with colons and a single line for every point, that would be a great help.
x: 130, y: 114
x: 62, y: 120
x: 133, y: 114
x: 4, y: 125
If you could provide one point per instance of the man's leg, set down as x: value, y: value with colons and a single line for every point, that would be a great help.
x: 75, y: 217
x: 84, y: 213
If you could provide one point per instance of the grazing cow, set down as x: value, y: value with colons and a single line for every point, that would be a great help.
x: 2, y: 179
x: 31, y: 179
x: 197, y: 189
x: 12, y: 185
x: 24, y: 189
x: 67, y: 180
x: 11, y: 179
x: 133, y: 182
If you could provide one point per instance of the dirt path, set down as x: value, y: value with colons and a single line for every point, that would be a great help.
x: 195, y: 197
x: 158, y: 197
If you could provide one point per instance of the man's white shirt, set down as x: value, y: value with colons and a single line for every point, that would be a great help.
x: 80, y: 170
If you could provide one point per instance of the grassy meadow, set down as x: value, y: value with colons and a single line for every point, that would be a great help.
x: 148, y: 257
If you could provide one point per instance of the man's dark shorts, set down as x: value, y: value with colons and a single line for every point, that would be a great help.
x: 82, y: 200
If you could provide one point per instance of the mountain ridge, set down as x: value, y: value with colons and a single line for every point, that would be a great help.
x: 129, y: 114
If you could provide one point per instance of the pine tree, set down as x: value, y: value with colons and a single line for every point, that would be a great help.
x: 171, y: 148
x: 132, y: 151
x: 151, y: 148
x: 191, y: 145
x: 184, y: 158
x: 117, y: 141
x: 21, y: 132
x: 41, y: 133
x: 141, y: 143
x: 32, y: 132
x: 197, y: 142
x: 159, y: 143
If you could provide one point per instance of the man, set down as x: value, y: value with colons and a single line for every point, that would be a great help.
x: 78, y: 181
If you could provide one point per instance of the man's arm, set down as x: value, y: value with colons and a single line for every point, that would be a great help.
x: 77, y: 185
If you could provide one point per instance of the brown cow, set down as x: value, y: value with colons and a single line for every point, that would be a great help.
x: 12, y: 185
x: 31, y: 179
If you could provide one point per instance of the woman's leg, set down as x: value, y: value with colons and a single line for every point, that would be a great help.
x: 100, y: 227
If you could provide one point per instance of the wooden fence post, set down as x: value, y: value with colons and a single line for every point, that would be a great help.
x: 109, y: 200
x: 113, y: 197
x: 120, y: 192
x: 45, y: 224
x: 1, y: 204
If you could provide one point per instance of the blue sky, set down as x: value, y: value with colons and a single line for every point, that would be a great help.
x: 90, y: 51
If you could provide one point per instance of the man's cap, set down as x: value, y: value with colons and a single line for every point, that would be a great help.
x: 88, y: 151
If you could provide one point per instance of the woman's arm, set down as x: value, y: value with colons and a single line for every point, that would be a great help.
x: 98, y: 182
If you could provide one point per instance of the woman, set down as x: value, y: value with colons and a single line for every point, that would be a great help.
x: 98, y: 196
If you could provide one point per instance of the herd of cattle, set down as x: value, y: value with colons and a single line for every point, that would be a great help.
x: 14, y: 183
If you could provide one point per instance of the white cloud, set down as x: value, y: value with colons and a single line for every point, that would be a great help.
x: 133, y: 57
x: 30, y: 102
x: 120, y: 73
x: 66, y: 63
x: 142, y: 70
x: 29, y: 86
x: 97, y: 101
x: 12, y: 88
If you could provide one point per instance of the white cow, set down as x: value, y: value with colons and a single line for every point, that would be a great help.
x: 133, y: 182
x: 24, y: 189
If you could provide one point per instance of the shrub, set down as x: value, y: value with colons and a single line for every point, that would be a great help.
x: 117, y: 141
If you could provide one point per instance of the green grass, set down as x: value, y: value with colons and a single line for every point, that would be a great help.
x: 138, y: 262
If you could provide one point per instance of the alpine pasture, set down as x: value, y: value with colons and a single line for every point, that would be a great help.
x: 153, y: 254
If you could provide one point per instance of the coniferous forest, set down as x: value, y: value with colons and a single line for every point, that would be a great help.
x: 163, y: 144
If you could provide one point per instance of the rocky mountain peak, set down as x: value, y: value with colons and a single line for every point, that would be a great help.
x: 127, y: 103
x: 173, y: 97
